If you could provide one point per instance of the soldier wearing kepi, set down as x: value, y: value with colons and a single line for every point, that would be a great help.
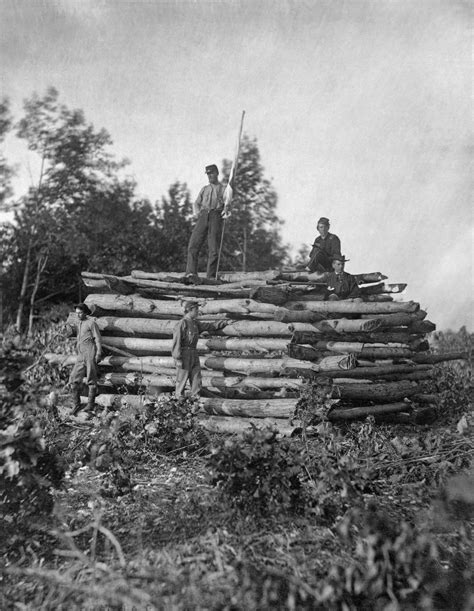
x: 341, y: 285
x: 184, y: 348
x: 209, y: 208
x: 325, y: 246
x: 89, y: 353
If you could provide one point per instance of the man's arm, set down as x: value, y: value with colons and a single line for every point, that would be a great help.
x: 98, y: 340
x: 211, y: 326
x: 198, y: 203
x: 335, y: 245
x: 176, y: 345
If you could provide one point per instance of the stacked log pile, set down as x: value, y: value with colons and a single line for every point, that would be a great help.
x: 280, y: 333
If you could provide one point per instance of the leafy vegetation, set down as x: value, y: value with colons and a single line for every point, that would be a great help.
x: 153, y: 512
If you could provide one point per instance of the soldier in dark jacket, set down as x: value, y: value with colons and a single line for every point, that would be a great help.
x: 341, y: 285
x: 325, y: 246
x: 209, y: 208
x: 184, y: 348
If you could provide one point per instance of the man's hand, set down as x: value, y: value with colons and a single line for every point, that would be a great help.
x: 225, y: 213
x: 98, y: 357
x: 178, y: 363
x: 220, y: 324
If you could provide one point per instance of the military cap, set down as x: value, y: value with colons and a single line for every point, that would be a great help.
x: 323, y: 220
x: 84, y: 308
x: 211, y: 168
x: 190, y: 305
x: 340, y: 258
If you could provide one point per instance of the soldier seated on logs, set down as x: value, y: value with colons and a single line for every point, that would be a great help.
x: 325, y: 246
x: 341, y: 285
x: 89, y: 353
x: 184, y: 348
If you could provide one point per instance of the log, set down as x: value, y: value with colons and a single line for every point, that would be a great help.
x: 350, y: 306
x: 267, y: 366
x: 383, y: 392
x: 377, y: 289
x: 356, y: 413
x: 285, y: 315
x: 209, y: 381
x: 339, y: 325
x: 309, y: 353
x: 236, y: 425
x: 397, y: 319
x: 439, y: 358
x: 422, y: 326
x: 205, y: 345
x: 133, y: 305
x: 271, y: 408
x: 394, y: 335
x: 230, y: 276
x: 364, y: 372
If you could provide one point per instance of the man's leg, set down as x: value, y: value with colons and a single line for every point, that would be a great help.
x: 214, y: 241
x: 195, y: 378
x: 320, y: 262
x: 182, y: 376
x: 75, y: 382
x: 195, y: 243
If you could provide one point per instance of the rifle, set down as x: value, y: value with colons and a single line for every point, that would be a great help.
x: 229, y: 190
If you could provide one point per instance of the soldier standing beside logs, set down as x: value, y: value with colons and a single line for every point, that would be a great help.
x: 325, y: 246
x: 210, y: 210
x: 341, y: 285
x: 184, y: 348
x: 89, y: 353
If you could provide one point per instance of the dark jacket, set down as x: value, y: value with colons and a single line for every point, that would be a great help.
x: 343, y: 285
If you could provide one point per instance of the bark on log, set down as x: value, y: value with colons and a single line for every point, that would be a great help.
x: 284, y: 315
x: 422, y: 326
x: 356, y: 413
x: 271, y: 274
x: 271, y: 408
x: 339, y: 325
x: 205, y: 345
x: 400, y: 335
x: 133, y: 305
x: 397, y: 319
x: 377, y: 372
x: 236, y: 425
x: 383, y: 392
x: 377, y: 289
x: 349, y: 306
x: 439, y: 358
x: 310, y: 353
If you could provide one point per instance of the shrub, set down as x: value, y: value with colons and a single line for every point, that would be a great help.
x: 259, y: 472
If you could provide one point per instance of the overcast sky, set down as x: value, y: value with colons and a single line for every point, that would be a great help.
x: 361, y: 108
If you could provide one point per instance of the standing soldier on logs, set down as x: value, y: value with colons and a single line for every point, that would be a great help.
x: 341, y: 285
x: 325, y: 246
x: 89, y: 353
x: 210, y: 209
x: 184, y: 348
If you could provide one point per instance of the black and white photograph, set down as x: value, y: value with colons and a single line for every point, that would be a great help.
x: 236, y: 305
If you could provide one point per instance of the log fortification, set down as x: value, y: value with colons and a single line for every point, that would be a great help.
x: 371, y: 354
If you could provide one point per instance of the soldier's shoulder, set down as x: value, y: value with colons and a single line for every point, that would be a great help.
x: 332, y: 236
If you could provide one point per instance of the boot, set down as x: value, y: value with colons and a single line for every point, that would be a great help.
x: 91, y: 398
x: 76, y: 398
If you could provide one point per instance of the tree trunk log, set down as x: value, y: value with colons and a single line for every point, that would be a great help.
x: 382, y: 392
x: 356, y: 413
x: 271, y: 274
x: 271, y: 408
x: 236, y: 425
x: 310, y: 353
x: 204, y: 345
x: 377, y: 289
x: 397, y: 319
x: 378, y: 372
x: 349, y: 306
x: 399, y: 336
x: 439, y: 358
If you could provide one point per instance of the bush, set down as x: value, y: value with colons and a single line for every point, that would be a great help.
x: 259, y: 472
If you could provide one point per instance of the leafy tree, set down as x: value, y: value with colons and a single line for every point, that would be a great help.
x: 173, y: 225
x: 252, y: 238
x: 6, y: 172
x: 80, y: 215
